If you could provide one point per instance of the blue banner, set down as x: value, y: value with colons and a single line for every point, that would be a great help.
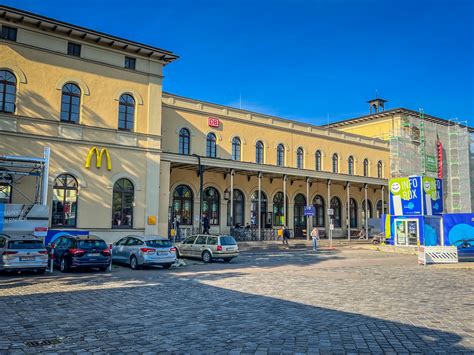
x: 54, y: 234
x: 458, y: 227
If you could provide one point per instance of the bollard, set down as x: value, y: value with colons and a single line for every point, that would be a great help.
x: 51, y: 267
x: 110, y: 265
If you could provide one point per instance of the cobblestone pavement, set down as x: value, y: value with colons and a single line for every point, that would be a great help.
x: 342, y: 301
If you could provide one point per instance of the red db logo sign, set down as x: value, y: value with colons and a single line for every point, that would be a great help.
x: 213, y: 122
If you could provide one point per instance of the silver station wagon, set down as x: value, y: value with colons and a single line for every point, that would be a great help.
x: 22, y: 253
x: 208, y: 247
x: 138, y: 251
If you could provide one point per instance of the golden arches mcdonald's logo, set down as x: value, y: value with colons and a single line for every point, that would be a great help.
x: 98, y: 157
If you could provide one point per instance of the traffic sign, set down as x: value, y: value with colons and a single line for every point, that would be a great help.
x: 309, y: 211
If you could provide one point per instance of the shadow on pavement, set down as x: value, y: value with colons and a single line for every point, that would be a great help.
x: 182, y: 314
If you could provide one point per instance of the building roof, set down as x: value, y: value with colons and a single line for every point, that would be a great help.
x: 400, y: 110
x: 84, y: 34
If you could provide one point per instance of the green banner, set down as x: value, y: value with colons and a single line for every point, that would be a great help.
x: 431, y: 163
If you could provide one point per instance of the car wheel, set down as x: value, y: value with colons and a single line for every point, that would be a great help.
x: 227, y: 260
x: 166, y: 266
x: 63, y: 265
x: 206, y: 257
x: 177, y: 253
x: 40, y: 271
x: 134, y: 263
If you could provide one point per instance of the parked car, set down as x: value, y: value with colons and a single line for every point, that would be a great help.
x: 138, y: 251
x: 22, y: 253
x: 79, y: 251
x: 208, y: 247
x: 466, y: 250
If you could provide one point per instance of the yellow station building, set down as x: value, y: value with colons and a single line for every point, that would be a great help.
x: 127, y: 157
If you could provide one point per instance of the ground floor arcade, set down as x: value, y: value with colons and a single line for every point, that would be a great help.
x: 193, y: 187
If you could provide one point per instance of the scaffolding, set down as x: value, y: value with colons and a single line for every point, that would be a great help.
x: 458, y: 166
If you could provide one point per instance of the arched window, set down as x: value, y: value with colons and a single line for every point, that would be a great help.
x: 335, y: 163
x: 379, y: 169
x: 236, y: 145
x: 336, y: 206
x: 70, y: 103
x: 379, y: 208
x: 254, y: 208
x: 352, y: 213
x: 238, y: 211
x: 259, y: 152
x: 318, y: 160
x: 211, y: 205
x: 366, y: 167
x: 278, y: 210
x: 184, y: 141
x: 211, y: 145
x: 64, y: 210
x: 7, y: 91
x: 122, y: 204
x: 182, y: 208
x: 280, y: 155
x: 318, y: 218
x: 299, y: 158
x: 350, y: 165
x: 369, y: 210
x: 126, y: 112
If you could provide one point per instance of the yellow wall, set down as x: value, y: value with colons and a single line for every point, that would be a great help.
x: 380, y: 128
x: 250, y: 131
x: 44, y: 73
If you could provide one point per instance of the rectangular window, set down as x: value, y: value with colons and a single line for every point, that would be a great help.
x: 9, y: 33
x: 130, y: 63
x: 74, y: 49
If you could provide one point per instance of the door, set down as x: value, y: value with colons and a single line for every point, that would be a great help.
x: 117, y: 252
x: 407, y: 232
x: 199, y: 246
x: 299, y: 217
x: 186, y: 247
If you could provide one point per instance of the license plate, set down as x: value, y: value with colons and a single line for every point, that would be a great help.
x: 229, y: 249
x: 93, y: 254
x: 27, y: 258
x: 162, y: 253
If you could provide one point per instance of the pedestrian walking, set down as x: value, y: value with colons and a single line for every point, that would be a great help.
x: 315, y: 238
x: 286, y: 236
x: 206, y: 225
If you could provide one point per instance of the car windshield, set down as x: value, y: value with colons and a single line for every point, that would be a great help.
x: 228, y: 240
x: 91, y: 244
x: 25, y: 244
x: 158, y: 243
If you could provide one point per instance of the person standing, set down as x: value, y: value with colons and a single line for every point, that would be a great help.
x: 286, y: 236
x: 206, y: 225
x: 315, y: 238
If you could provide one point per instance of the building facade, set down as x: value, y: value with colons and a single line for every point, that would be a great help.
x: 422, y: 144
x: 127, y: 158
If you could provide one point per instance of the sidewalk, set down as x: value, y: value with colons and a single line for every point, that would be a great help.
x: 295, y: 244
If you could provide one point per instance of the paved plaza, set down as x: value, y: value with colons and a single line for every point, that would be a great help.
x: 341, y: 301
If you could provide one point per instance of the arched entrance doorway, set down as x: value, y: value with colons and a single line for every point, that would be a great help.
x: 299, y: 217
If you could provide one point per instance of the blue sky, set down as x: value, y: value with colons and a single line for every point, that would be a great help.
x: 307, y: 60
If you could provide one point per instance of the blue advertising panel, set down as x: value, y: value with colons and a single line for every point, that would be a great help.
x: 406, y: 196
x: 431, y: 231
x: 54, y: 234
x: 458, y: 227
x: 432, y: 196
x: 309, y: 211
